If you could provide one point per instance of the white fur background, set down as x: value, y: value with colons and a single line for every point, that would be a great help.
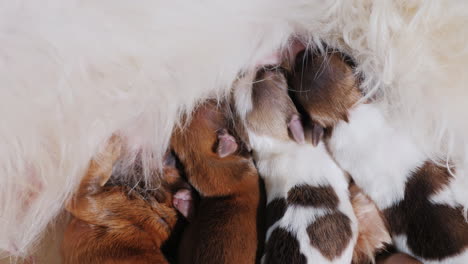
x: 72, y: 72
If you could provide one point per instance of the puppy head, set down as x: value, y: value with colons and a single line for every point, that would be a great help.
x: 214, y: 161
x: 324, y: 87
x: 266, y: 108
x: 207, y: 135
x: 104, y: 180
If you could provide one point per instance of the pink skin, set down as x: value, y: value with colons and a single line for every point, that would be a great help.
x: 28, y: 194
x: 317, y: 134
x: 297, y: 131
x: 182, y: 201
x: 295, y: 47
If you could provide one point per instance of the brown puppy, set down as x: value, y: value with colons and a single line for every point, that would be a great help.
x: 116, y: 224
x: 224, y: 226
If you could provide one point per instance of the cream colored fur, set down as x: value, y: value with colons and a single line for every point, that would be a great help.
x: 73, y: 72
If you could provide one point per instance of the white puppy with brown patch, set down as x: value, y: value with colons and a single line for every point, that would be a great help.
x: 416, y: 195
x: 310, y: 218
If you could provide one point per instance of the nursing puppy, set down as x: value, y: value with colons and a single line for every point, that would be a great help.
x: 413, y: 192
x: 118, y: 224
x: 309, y: 215
x: 224, y: 227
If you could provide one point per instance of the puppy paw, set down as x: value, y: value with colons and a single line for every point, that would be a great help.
x: 183, y: 202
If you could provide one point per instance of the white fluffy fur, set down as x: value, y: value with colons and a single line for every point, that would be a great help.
x: 379, y: 157
x: 72, y: 72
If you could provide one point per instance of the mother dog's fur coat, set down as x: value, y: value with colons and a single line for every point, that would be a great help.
x: 74, y: 72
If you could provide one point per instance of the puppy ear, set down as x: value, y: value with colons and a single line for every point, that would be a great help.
x: 99, y: 172
x: 297, y: 131
x: 227, y: 144
x: 100, y: 167
x: 317, y: 134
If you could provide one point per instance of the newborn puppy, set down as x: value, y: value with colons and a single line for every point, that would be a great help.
x: 309, y: 215
x: 224, y: 227
x: 117, y: 224
x: 413, y: 192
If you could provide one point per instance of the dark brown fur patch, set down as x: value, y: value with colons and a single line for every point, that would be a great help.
x: 307, y: 195
x: 434, y: 231
x: 282, y: 247
x: 275, y: 211
x: 325, y: 87
x: 330, y: 234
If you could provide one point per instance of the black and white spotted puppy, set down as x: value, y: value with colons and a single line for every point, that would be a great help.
x: 420, y: 200
x: 309, y: 215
